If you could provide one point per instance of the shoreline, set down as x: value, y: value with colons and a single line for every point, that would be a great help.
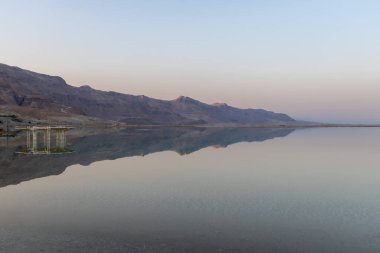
x: 96, y: 126
x: 254, y: 126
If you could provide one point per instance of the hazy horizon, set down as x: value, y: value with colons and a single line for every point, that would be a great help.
x: 314, y: 61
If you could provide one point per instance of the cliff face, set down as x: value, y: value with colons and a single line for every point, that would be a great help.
x: 44, y: 96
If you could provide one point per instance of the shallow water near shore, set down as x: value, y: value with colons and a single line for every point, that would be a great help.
x: 195, y: 190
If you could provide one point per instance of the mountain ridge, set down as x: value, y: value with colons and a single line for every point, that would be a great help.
x: 44, y: 97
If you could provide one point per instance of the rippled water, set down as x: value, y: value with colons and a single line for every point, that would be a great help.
x: 195, y: 190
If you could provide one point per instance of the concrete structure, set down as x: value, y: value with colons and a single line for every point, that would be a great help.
x: 33, y: 146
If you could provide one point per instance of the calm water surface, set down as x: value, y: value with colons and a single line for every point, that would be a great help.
x: 195, y: 190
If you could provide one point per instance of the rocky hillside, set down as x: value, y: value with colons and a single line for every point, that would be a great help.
x: 43, y: 97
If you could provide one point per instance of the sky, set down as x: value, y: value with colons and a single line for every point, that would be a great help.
x: 314, y: 60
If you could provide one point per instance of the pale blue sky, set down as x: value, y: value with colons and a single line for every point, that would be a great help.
x: 315, y: 60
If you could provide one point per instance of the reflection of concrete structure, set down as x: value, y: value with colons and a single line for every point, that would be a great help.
x: 32, y: 144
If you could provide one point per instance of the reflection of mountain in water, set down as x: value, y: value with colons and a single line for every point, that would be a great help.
x: 16, y: 168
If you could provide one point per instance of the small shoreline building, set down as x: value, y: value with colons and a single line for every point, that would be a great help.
x: 44, y: 146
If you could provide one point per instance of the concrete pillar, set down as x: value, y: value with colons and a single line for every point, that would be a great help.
x: 28, y: 139
x: 48, y: 139
x: 44, y: 138
x: 34, y: 144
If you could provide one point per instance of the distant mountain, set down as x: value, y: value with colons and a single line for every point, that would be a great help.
x: 37, y: 96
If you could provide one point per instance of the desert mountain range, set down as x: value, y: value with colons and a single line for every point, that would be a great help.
x: 37, y: 97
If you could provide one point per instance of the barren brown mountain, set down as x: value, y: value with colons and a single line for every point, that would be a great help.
x: 32, y: 96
